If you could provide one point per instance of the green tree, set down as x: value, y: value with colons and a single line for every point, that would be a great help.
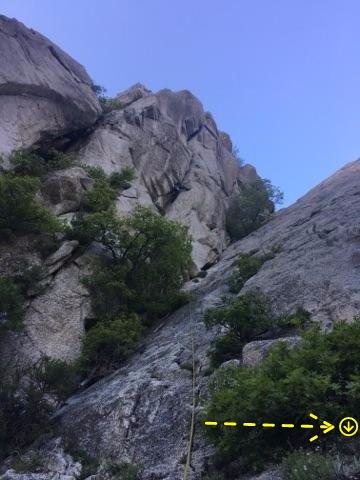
x: 109, y: 343
x: 251, y: 208
x: 150, y: 259
x: 19, y: 210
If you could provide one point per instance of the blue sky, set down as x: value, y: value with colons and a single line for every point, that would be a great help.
x: 282, y: 77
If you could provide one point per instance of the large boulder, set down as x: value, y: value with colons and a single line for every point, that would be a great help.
x: 63, y: 191
x: 44, y: 93
x: 184, y: 166
x: 255, y: 352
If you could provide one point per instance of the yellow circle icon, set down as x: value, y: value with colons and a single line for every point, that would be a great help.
x: 348, y: 427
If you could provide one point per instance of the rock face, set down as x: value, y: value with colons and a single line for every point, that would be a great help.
x: 185, y: 170
x: 44, y: 93
x: 144, y: 409
x: 255, y: 352
x: 183, y: 165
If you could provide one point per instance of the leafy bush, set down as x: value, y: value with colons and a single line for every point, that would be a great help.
x: 150, y: 258
x: 108, y: 104
x: 19, y: 210
x: 109, y: 343
x: 11, y: 305
x: 246, y: 266
x: 55, y: 377
x: 251, y: 208
x: 29, y: 464
x: 24, y: 415
x: 247, y: 318
x: 321, y: 374
x: 124, y: 471
x: 121, y: 180
x: 300, y: 465
x: 33, y: 164
x: 89, y: 464
x: 106, y: 189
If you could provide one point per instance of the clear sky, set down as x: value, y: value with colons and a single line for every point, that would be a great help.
x: 282, y: 77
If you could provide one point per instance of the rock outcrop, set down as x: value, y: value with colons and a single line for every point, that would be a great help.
x: 144, y: 409
x: 44, y: 93
x: 184, y: 166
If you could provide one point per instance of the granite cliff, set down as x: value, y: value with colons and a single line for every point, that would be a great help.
x: 185, y: 170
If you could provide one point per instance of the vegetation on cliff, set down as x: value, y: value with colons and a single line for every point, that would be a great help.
x: 321, y: 374
x: 251, y: 208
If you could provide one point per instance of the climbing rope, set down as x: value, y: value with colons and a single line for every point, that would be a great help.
x: 192, y: 423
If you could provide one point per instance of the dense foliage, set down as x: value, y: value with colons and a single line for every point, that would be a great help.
x: 247, y: 318
x: 246, y: 266
x: 109, y: 343
x: 321, y: 374
x: 106, y: 189
x: 19, y: 210
x: 36, y: 165
x: 27, y: 405
x: 150, y: 256
x: 251, y: 208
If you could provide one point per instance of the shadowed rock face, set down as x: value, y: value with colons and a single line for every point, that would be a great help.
x: 44, y: 93
x: 183, y: 165
x: 144, y: 409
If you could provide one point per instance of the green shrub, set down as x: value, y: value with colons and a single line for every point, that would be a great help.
x: 56, y: 377
x: 251, y: 208
x: 321, y: 374
x: 246, y: 266
x: 24, y: 415
x: 302, y: 465
x: 35, y: 165
x: 122, y: 180
x: 109, y: 343
x: 247, y: 318
x: 89, y: 464
x: 25, y: 465
x: 124, y: 471
x: 19, y: 210
x: 106, y: 189
x: 11, y: 305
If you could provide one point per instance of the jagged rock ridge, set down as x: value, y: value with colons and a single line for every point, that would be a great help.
x: 184, y: 166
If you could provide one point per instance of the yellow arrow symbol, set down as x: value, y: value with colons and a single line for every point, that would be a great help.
x: 348, y: 427
x: 327, y: 427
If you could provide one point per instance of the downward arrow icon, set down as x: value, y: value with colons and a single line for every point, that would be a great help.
x: 348, y: 427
